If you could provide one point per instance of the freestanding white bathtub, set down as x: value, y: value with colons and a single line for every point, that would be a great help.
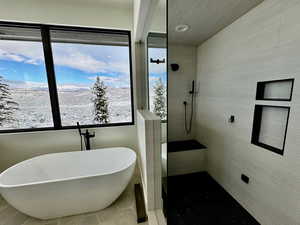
x: 69, y: 183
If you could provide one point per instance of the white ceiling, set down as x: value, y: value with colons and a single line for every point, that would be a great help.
x: 205, y: 17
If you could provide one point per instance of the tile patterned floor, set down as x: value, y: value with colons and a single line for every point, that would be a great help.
x: 122, y: 212
x: 197, y: 199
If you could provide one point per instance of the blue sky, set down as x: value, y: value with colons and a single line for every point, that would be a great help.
x: 19, y: 71
x: 77, y: 64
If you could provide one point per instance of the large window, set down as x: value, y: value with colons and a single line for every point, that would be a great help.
x: 157, y: 75
x: 52, y: 77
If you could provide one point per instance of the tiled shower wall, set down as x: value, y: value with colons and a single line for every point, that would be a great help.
x: 262, y: 45
x: 179, y: 83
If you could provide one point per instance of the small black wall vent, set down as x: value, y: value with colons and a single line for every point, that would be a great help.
x: 245, y: 178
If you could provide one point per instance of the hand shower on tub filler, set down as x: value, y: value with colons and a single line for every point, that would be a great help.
x: 87, y: 136
x: 188, y: 126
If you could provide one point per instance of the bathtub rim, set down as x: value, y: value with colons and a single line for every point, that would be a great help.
x: 66, y: 179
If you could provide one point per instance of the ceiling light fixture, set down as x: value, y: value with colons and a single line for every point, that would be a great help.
x: 182, y: 28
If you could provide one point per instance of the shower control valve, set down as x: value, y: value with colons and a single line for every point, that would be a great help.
x: 231, y: 119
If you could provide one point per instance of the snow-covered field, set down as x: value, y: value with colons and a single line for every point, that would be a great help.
x: 75, y: 105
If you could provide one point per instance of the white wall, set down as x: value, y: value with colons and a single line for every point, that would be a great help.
x: 179, y: 85
x: 159, y: 20
x: 76, y: 12
x: 262, y: 45
x: 17, y: 147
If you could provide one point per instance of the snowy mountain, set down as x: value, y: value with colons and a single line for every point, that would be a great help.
x: 74, y: 101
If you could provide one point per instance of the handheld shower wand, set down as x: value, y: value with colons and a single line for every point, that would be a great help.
x: 193, y: 88
x: 188, y: 127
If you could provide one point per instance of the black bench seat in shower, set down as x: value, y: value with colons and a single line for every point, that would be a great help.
x: 188, y: 145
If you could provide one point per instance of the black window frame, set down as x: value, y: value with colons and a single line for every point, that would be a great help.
x: 51, y: 79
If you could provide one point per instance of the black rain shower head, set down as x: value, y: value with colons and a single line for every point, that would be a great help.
x: 174, y: 67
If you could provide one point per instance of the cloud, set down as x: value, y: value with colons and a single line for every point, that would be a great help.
x: 43, y: 85
x: 157, y: 68
x: 27, y: 52
x: 120, y: 81
x: 26, y: 84
x: 90, y: 59
x: 79, y: 61
x: 32, y: 61
x: 68, y: 87
x: 12, y: 57
x: 86, y: 58
x: 153, y: 79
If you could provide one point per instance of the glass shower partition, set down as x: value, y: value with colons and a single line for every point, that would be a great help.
x: 157, y: 93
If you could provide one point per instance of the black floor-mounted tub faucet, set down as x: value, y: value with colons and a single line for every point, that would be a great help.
x: 87, y: 136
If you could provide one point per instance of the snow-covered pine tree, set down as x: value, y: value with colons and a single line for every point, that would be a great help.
x: 7, y: 105
x: 100, y: 100
x: 160, y: 108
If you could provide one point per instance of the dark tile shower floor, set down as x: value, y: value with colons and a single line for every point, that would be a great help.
x: 197, y: 199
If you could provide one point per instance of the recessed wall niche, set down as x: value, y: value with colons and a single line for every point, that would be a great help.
x: 270, y: 127
x: 275, y: 90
